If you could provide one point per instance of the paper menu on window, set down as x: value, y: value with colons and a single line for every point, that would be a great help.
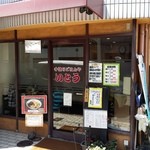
x: 111, y: 74
x: 67, y: 99
x: 95, y: 72
x: 95, y: 118
x: 95, y: 98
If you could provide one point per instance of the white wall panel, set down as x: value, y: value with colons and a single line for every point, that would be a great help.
x: 118, y: 9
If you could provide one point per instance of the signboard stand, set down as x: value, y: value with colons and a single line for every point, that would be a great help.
x: 34, y: 106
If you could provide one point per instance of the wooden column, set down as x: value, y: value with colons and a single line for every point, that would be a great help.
x: 17, y: 79
x: 141, y: 39
x: 146, y: 52
x: 148, y: 49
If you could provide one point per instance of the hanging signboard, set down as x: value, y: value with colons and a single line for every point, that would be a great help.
x: 34, y: 120
x: 95, y: 118
x: 111, y: 74
x: 34, y: 104
x: 95, y: 98
x: 95, y: 72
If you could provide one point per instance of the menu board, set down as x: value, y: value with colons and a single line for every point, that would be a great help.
x: 95, y: 98
x: 111, y: 74
x: 95, y: 72
x: 95, y: 118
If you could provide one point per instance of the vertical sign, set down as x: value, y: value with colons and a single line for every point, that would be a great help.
x: 142, y: 72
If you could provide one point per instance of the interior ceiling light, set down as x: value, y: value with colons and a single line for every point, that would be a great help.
x: 85, y: 9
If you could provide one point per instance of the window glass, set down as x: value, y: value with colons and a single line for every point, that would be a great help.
x: 7, y: 79
x: 33, y: 71
x: 68, y: 87
x: 115, y: 55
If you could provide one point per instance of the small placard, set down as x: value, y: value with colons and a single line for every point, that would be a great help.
x: 67, y: 99
x: 34, y: 120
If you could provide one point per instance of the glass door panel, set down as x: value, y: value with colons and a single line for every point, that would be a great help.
x: 67, y: 86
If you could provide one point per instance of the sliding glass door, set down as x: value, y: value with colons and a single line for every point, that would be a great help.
x: 67, y: 86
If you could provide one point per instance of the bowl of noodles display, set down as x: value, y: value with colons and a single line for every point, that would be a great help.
x: 33, y: 104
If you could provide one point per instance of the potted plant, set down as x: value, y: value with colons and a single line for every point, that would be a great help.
x: 99, y: 145
x: 93, y: 142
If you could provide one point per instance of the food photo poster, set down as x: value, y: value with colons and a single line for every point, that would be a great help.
x: 34, y: 104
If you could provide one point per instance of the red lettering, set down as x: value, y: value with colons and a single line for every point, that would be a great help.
x: 67, y: 69
x: 58, y: 77
x: 67, y: 78
x: 75, y: 78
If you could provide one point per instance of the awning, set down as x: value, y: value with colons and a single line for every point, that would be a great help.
x: 31, y: 6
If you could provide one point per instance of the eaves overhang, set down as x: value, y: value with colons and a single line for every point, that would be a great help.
x: 32, y: 6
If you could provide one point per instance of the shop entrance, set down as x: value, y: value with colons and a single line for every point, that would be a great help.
x: 67, y: 87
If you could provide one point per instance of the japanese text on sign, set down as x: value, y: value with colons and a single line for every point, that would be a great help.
x: 67, y: 74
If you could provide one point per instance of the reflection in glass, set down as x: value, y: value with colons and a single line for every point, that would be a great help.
x: 112, y: 50
x: 7, y: 79
x: 68, y: 87
x: 33, y: 75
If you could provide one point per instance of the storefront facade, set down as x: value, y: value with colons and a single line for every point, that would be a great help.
x: 79, y: 46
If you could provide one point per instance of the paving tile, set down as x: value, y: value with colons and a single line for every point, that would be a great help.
x: 9, y: 140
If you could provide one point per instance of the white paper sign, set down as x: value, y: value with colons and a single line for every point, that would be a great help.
x: 126, y: 85
x: 111, y: 74
x: 67, y: 99
x: 32, y: 46
x: 95, y: 118
x: 95, y: 72
x: 34, y: 120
